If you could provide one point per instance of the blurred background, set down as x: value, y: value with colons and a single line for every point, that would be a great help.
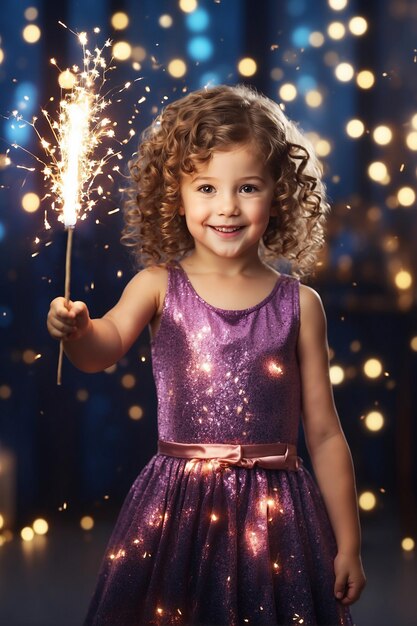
x: 346, y: 70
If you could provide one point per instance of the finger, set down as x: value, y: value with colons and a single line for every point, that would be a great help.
x: 340, y: 586
x: 353, y: 591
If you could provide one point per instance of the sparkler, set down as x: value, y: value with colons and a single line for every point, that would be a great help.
x: 72, y: 160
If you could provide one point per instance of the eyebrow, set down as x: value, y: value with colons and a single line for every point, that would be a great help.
x: 250, y: 177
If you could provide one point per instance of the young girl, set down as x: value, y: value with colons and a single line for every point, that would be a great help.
x: 224, y: 525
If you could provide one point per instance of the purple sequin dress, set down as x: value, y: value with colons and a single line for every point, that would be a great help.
x: 193, y: 546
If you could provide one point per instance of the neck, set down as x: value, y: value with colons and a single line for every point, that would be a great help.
x: 203, y: 261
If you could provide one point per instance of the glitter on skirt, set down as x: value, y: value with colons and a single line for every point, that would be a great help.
x: 198, y: 547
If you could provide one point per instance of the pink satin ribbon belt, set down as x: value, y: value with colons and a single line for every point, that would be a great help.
x: 266, y: 455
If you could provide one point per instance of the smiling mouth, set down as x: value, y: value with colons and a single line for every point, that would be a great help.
x: 226, y: 229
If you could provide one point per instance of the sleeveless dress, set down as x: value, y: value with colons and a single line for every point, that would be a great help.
x: 198, y: 546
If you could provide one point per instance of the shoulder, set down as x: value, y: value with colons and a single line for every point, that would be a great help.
x: 150, y: 282
x: 312, y: 315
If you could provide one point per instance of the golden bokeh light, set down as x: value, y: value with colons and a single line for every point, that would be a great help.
x: 87, y: 522
x: 378, y: 172
x: 27, y: 533
x: 355, y: 128
x: 247, y: 66
x: 122, y: 50
x: 138, y: 53
x: 374, y: 421
x: 413, y: 344
x: 316, y: 39
x: 31, y: 33
x: 382, y: 135
x: 344, y: 72
x: 365, y: 79
x: 120, y: 20
x: 358, y: 25
x: 188, y: 6
x: 128, y: 381
x: 337, y: 374
x: 67, y: 79
x: 31, y: 13
x: 367, y: 501
x: 165, y: 21
x: 372, y: 368
x: 135, y: 412
x: 411, y: 140
x: 1, y: 56
x: 414, y: 121
x: 5, y: 392
x: 177, y: 68
x: 336, y: 30
x: 356, y: 345
x: 403, y: 279
x: 29, y: 357
x: 313, y: 98
x: 277, y: 73
x: 31, y: 202
x: 408, y: 544
x: 287, y: 92
x: 323, y: 147
x: 82, y: 395
x: 406, y: 196
x: 338, y: 5
x: 40, y: 526
x: 1, y: 521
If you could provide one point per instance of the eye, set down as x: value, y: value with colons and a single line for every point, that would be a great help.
x: 207, y: 189
x: 248, y: 188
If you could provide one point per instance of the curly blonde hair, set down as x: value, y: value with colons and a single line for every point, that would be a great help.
x: 185, y: 135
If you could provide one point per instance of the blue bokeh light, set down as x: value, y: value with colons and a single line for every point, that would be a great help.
x: 200, y: 48
x: 209, y: 78
x: 17, y: 132
x: 2, y: 231
x: 306, y: 83
x: 198, y: 20
x: 300, y: 36
x: 6, y: 316
x: 26, y: 97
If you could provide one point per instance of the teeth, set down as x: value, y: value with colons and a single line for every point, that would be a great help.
x: 224, y: 229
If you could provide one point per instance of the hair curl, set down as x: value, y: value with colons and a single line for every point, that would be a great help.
x: 185, y: 135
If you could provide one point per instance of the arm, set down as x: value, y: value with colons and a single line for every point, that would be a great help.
x: 94, y: 344
x: 327, y: 446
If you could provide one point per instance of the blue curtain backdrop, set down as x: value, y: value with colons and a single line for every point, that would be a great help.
x: 76, y: 444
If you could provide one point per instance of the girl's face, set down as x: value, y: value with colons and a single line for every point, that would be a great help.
x: 227, y: 202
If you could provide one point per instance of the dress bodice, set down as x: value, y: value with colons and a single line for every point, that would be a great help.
x: 227, y: 376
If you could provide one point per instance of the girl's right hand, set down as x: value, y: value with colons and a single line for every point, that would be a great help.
x: 68, y: 322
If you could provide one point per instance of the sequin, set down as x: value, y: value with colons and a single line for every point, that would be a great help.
x: 197, y: 547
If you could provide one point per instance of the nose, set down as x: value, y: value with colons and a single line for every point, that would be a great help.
x: 228, y: 205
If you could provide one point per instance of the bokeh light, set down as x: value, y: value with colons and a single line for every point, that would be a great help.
x: 120, y: 20
x: 378, y: 172
x: 31, y: 33
x: 40, y: 526
x: 338, y: 5
x: 122, y: 50
x: 367, y: 501
x: 358, y: 25
x: 382, y: 135
x: 406, y: 196
x: 188, y: 6
x: 365, y: 79
x: 128, y: 381
x: 374, y: 421
x: 247, y: 67
x: 287, y: 92
x: 411, y: 140
x: 87, y: 522
x: 372, y: 368
x: 136, y: 412
x: 31, y: 202
x: 31, y: 13
x: 337, y: 374
x: 344, y: 72
x: 314, y: 98
x: 336, y: 30
x: 408, y: 544
x: 177, y: 68
x: 355, y: 128
x: 316, y: 39
x: 403, y: 279
x: 165, y: 21
x: 27, y: 533
x: 67, y: 79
